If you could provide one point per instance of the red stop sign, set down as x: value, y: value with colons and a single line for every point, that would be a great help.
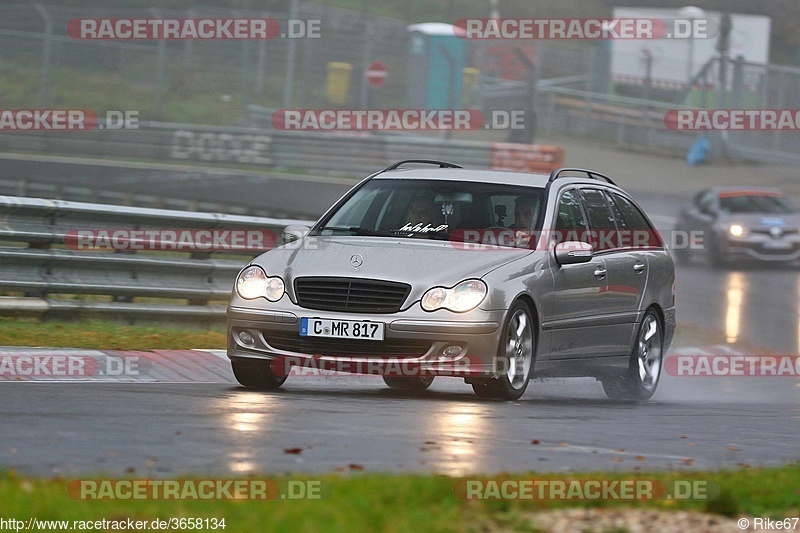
x: 376, y: 73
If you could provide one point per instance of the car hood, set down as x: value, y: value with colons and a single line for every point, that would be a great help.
x: 421, y: 263
x: 762, y: 220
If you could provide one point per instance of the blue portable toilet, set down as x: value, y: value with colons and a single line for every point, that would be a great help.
x: 437, y: 57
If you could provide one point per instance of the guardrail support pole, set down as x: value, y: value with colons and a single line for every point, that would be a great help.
x: 44, y: 84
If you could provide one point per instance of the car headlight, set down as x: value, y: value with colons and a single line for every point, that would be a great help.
x: 463, y: 297
x: 736, y: 230
x: 254, y: 283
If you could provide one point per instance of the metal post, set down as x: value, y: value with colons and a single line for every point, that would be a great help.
x: 720, y: 150
x: 245, y: 74
x: 648, y: 73
x: 261, y: 68
x: 188, y: 44
x: 245, y: 69
x: 363, y: 87
x: 306, y: 96
x: 648, y: 81
x: 737, y: 82
x: 451, y: 93
x: 161, y: 60
x: 291, y: 57
x: 704, y: 89
x: 782, y: 83
x: 527, y: 136
x: 44, y: 83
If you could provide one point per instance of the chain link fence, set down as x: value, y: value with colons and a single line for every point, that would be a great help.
x: 238, y: 82
x: 737, y: 84
x: 163, y: 77
x: 203, y: 80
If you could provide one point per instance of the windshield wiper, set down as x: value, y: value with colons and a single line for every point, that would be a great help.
x: 369, y: 232
x: 356, y: 230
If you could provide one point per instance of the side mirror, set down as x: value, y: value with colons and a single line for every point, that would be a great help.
x: 572, y: 252
x: 708, y: 211
x: 294, y: 233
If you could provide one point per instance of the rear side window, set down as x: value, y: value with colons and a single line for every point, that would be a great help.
x: 635, y: 230
x: 570, y: 221
x: 604, y: 228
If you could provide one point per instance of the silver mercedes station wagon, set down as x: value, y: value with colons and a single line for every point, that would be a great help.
x: 426, y: 269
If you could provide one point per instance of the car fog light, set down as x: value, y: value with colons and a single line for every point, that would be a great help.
x: 452, y: 351
x: 246, y: 338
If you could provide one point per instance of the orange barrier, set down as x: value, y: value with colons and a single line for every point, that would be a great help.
x: 526, y: 157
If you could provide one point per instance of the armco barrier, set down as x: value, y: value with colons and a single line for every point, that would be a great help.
x: 325, y: 153
x: 31, y: 276
x: 526, y: 158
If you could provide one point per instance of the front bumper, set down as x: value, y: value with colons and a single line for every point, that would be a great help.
x: 412, y: 345
x: 762, y: 247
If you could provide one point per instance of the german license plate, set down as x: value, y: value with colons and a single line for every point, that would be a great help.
x: 777, y: 245
x: 341, y: 329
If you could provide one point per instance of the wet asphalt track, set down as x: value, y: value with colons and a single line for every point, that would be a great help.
x: 352, y: 423
x: 213, y: 426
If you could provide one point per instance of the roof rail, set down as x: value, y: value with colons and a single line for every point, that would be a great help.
x: 590, y: 173
x: 442, y: 164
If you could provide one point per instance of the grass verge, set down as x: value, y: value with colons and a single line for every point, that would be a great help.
x: 383, y: 502
x: 108, y: 335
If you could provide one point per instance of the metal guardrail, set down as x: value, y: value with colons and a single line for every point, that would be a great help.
x: 36, y: 266
x: 325, y: 153
x: 626, y: 120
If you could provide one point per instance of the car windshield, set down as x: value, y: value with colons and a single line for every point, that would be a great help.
x: 434, y: 209
x: 755, y: 203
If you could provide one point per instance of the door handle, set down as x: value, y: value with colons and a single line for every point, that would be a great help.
x: 600, y: 272
x: 638, y: 267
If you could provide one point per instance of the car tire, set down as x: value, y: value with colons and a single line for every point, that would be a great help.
x: 515, y: 354
x: 409, y: 383
x: 682, y: 257
x: 715, y: 256
x: 681, y: 254
x: 639, y: 382
x: 256, y: 374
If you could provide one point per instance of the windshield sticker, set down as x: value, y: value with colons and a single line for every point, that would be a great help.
x: 420, y: 228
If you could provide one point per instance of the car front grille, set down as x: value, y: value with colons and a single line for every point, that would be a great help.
x: 350, y: 294
x: 399, y: 348
x: 766, y: 231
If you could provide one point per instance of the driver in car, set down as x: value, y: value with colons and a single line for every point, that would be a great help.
x: 525, y: 211
x: 423, y: 216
